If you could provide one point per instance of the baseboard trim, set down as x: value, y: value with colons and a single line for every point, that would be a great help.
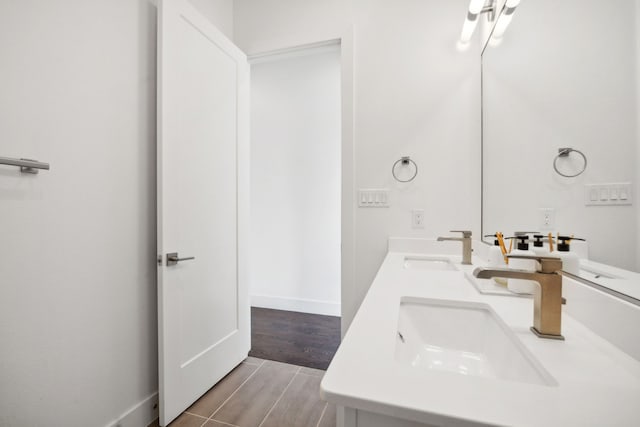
x: 139, y: 415
x: 302, y: 305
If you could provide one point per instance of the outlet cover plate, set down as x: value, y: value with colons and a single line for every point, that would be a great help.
x: 547, y: 219
x: 417, y: 218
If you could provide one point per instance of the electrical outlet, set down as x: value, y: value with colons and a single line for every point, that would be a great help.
x: 547, y: 219
x: 417, y: 218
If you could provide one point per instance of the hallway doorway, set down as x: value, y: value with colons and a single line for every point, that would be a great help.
x: 295, y: 276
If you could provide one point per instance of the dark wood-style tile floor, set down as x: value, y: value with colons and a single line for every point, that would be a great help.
x: 301, y: 339
x: 262, y: 393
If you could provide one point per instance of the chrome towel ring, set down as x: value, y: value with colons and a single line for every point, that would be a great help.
x: 405, y: 161
x: 564, y: 152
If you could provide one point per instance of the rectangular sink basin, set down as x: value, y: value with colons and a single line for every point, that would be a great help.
x: 427, y: 263
x: 464, y: 338
x: 593, y: 274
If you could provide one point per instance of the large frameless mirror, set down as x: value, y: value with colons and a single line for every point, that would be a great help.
x: 560, y: 123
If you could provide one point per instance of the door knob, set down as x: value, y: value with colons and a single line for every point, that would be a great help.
x: 173, y: 259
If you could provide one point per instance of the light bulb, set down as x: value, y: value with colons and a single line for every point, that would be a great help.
x: 468, y: 27
x: 501, y: 26
x: 503, y: 22
x: 476, y: 6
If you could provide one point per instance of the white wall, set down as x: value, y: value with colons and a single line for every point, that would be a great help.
x: 636, y: 188
x: 220, y: 12
x: 264, y: 25
x: 77, y: 257
x: 295, y: 181
x: 414, y: 94
x: 564, y: 83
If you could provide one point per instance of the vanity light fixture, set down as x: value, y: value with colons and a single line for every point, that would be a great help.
x: 503, y: 22
x: 476, y: 7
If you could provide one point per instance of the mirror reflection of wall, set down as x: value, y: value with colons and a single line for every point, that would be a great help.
x: 564, y: 75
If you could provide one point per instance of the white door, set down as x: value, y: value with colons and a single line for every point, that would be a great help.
x: 203, y: 186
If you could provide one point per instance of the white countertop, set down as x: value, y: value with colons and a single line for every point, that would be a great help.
x: 623, y: 281
x: 598, y: 385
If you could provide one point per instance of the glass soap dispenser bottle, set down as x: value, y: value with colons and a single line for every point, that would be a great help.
x: 495, y: 258
x: 538, y: 246
x: 570, y: 261
x: 522, y: 286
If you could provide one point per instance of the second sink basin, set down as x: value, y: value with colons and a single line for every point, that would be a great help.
x: 427, y: 263
x: 465, y: 338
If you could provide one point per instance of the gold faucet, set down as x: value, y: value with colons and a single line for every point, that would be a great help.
x: 466, y: 244
x: 547, y: 297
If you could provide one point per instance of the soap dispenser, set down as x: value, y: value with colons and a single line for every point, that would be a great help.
x: 521, y: 286
x: 570, y: 261
x: 495, y: 257
x: 538, y: 246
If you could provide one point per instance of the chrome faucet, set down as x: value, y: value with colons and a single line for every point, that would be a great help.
x: 466, y: 244
x: 547, y: 297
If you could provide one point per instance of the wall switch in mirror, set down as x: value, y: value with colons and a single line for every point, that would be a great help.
x: 617, y: 193
x: 547, y: 219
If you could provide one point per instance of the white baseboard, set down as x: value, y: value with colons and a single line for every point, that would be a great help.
x: 139, y: 415
x: 302, y: 305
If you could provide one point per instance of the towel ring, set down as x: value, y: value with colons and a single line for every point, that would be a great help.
x: 564, y: 152
x: 405, y: 160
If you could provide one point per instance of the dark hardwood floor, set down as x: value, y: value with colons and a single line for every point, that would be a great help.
x: 301, y: 339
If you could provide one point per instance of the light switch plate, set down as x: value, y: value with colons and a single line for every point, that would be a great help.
x: 613, y: 194
x: 373, y: 198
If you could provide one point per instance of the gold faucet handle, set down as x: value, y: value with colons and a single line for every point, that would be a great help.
x: 465, y: 233
x: 547, y: 264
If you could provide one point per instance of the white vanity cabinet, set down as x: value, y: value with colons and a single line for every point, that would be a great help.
x: 349, y: 417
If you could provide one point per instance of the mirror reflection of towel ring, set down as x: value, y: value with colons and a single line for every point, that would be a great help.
x: 404, y: 161
x: 564, y: 152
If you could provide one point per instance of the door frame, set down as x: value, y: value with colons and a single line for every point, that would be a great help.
x: 349, y: 300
